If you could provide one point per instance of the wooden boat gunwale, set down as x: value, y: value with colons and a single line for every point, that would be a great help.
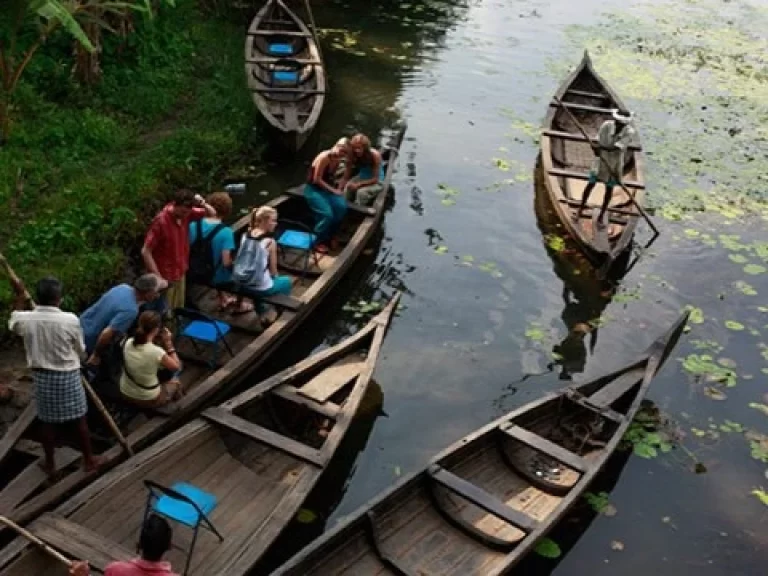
x: 552, y: 178
x: 369, y: 337
x: 245, y: 362
x: 652, y: 360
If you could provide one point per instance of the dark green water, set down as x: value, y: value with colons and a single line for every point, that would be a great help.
x: 486, y: 303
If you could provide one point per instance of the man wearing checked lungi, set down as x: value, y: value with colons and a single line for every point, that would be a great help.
x: 54, y: 345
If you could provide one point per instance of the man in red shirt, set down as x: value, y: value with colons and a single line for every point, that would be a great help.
x: 166, y: 246
x: 155, y: 540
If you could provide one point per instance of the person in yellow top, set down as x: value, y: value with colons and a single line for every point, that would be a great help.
x: 150, y: 372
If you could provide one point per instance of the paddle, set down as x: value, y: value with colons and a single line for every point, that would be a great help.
x: 36, y: 541
x: 613, y: 174
x: 91, y: 392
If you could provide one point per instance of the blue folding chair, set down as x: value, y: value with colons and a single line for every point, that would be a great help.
x: 185, y: 504
x: 297, y: 236
x: 202, y: 330
x: 281, y: 49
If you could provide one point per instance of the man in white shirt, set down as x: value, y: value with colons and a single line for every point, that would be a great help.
x: 53, y: 341
x: 612, y: 140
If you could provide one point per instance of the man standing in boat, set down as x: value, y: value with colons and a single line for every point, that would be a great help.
x: 608, y: 167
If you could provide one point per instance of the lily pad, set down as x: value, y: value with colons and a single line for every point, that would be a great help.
x: 761, y: 495
x: 733, y: 325
x: 696, y: 316
x: 754, y: 269
x: 761, y: 407
x: 548, y: 548
x: 738, y: 258
x: 745, y: 288
x: 441, y: 249
x: 306, y: 516
x: 715, y: 393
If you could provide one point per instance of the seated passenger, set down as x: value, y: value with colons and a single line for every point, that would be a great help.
x: 142, y: 382
x: 366, y: 171
x: 324, y: 198
x: 222, y: 246
x: 255, y: 268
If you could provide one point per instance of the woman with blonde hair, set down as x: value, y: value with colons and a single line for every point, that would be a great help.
x: 144, y: 363
x: 365, y: 168
x: 255, y: 269
x: 325, y: 199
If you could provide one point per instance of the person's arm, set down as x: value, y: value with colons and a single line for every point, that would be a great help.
x: 204, y: 209
x: 170, y: 359
x: 228, y: 248
x: 79, y: 568
x: 347, y: 176
x: 79, y: 341
x: 102, y: 343
x: 317, y: 175
x: 272, y: 251
x: 152, y: 239
x: 376, y: 168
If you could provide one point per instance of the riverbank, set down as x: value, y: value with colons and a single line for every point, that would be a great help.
x: 85, y: 169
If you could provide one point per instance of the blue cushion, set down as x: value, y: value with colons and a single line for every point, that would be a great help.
x: 205, y: 331
x: 280, y: 49
x: 285, y: 76
x: 183, y: 511
x: 297, y: 239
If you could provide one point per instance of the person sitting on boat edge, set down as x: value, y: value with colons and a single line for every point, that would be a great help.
x: 54, y: 346
x: 325, y: 199
x: 154, y: 542
x: 613, y: 138
x: 366, y: 172
x: 221, y: 239
x: 255, y: 269
x: 150, y: 376
x: 166, y: 245
x: 115, y: 313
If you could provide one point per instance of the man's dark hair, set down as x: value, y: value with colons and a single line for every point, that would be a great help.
x: 184, y: 197
x: 155, y: 539
x: 49, y: 291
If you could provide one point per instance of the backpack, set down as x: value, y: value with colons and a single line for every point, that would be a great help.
x: 250, y: 262
x: 201, y: 262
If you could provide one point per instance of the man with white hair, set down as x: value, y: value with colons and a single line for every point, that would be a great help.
x: 608, y: 167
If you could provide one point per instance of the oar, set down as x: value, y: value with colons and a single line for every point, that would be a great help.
x: 640, y: 209
x: 91, y: 392
x: 36, y: 541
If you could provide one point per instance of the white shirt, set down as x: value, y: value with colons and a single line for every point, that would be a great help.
x: 612, y: 144
x: 53, y: 339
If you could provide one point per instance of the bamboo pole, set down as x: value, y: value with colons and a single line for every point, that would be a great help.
x: 88, y: 388
x: 36, y: 541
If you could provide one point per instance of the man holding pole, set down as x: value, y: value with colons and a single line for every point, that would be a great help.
x: 612, y: 140
x: 54, y: 345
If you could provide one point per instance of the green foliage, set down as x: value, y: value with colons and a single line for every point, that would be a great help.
x: 96, y: 164
x: 548, y: 548
x: 646, y: 435
x: 704, y: 366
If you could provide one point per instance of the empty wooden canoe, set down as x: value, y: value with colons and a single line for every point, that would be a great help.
x: 566, y: 158
x: 259, y: 455
x: 486, y: 501
x: 285, y: 73
x: 26, y: 495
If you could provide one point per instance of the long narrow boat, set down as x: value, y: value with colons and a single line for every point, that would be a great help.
x: 285, y: 73
x: 259, y: 454
x: 566, y: 158
x: 486, y: 501
x: 26, y: 494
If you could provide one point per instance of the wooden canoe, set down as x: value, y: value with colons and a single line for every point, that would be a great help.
x: 26, y: 495
x: 486, y: 501
x: 260, y: 454
x: 566, y: 158
x: 285, y: 73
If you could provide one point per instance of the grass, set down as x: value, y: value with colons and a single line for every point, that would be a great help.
x: 172, y: 110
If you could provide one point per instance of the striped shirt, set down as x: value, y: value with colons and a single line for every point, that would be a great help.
x: 53, y: 339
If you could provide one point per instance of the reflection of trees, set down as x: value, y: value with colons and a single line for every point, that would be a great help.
x: 585, y: 295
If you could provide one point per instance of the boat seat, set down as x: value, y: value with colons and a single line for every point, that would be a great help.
x: 202, y: 331
x: 546, y: 447
x: 185, y: 504
x: 297, y: 236
x: 281, y: 49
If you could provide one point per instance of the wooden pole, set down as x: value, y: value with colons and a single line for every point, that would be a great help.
x: 36, y: 541
x: 89, y: 390
x: 640, y: 209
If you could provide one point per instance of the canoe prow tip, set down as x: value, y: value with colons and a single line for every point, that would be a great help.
x: 587, y: 58
x: 383, y: 317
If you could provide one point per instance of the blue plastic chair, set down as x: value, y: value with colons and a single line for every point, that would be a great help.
x: 280, y: 49
x: 202, y: 330
x: 185, y: 504
x: 297, y: 236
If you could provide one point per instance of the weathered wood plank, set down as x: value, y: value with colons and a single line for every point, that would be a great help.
x: 279, y: 33
x: 332, y: 379
x: 273, y: 60
x: 588, y: 94
x: 580, y: 138
x: 251, y: 430
x: 275, y: 90
x: 544, y: 446
x: 582, y: 107
x: 78, y: 541
x: 611, y: 392
x: 290, y: 393
x: 20, y: 425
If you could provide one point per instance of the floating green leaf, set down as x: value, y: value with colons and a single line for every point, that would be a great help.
x: 761, y: 495
x: 745, y: 288
x: 534, y: 333
x: 738, y: 258
x: 715, y: 393
x: 555, y: 242
x: 501, y: 164
x: 704, y: 366
x: 733, y: 325
x: 754, y: 269
x: 441, y: 249
x: 761, y: 407
x: 306, y: 516
x: 696, y: 316
x: 548, y: 548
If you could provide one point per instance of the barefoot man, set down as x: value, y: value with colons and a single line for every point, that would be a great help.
x: 54, y: 345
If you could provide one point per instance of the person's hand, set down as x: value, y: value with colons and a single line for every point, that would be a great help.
x: 166, y: 337
x: 343, y: 184
x: 353, y: 186
x: 93, y: 360
x: 199, y: 200
x: 79, y: 568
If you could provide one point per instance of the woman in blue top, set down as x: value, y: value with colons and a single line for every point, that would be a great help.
x: 366, y: 170
x: 222, y: 244
x: 325, y: 199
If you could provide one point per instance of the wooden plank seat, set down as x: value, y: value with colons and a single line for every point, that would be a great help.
x: 373, y: 536
x: 579, y: 138
x: 610, y: 209
x: 77, y: 541
x: 276, y: 90
x: 289, y: 446
x: 582, y: 107
x: 290, y: 393
x: 541, y: 444
x: 275, y: 60
x: 482, y: 499
x: 279, y: 33
x: 586, y: 93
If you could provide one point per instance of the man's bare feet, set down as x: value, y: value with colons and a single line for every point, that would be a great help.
x: 94, y: 463
x: 51, y: 472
